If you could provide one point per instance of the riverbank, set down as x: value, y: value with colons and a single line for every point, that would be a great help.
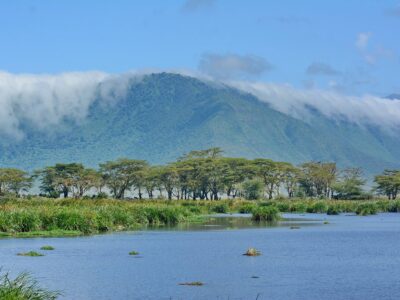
x: 70, y: 217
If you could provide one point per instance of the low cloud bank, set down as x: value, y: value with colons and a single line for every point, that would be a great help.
x: 45, y: 101
x: 363, y: 110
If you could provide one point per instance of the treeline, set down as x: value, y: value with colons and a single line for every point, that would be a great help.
x: 204, y: 174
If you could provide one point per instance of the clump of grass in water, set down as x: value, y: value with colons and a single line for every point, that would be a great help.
x: 24, y: 287
x: 47, y: 248
x: 326, y: 222
x: 133, y: 253
x: 266, y: 213
x: 333, y: 210
x: 252, y: 252
x: 194, y: 283
x: 365, y: 209
x: 30, y: 253
x: 294, y: 227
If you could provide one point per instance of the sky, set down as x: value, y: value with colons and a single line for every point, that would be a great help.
x: 349, y: 47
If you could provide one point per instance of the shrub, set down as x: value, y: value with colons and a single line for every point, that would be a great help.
x: 364, y: 209
x: 221, y: 208
x: 269, y: 213
x: 333, y: 210
x: 318, y: 207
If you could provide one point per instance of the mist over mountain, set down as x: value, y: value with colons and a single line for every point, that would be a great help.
x: 393, y: 97
x: 161, y: 116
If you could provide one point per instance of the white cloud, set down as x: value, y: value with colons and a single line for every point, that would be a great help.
x: 362, y: 40
x: 365, y: 110
x: 233, y: 65
x: 44, y: 101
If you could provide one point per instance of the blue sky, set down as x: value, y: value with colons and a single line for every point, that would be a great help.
x: 351, y: 47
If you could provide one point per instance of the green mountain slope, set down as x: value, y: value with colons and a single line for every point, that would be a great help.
x: 166, y: 115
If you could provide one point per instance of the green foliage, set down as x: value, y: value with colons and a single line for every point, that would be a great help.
x: 253, y: 189
x: 333, y: 210
x: 23, y: 287
x: 47, y: 248
x: 266, y: 213
x: 364, y: 209
x: 388, y: 183
x: 30, y: 253
x: 86, y: 216
x: 14, y: 181
x: 220, y: 208
x: 318, y: 207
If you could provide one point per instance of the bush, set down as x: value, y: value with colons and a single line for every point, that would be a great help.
x: 246, y: 208
x: 221, y: 208
x: 333, y: 210
x: 267, y: 213
x: 318, y: 207
x: 365, y: 209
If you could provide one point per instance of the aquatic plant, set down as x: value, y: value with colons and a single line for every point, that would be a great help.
x: 30, y: 253
x: 133, y: 253
x: 266, y: 213
x: 333, y: 210
x: 317, y: 207
x: 24, y: 287
x: 365, y: 209
x: 221, y: 208
x: 47, y: 248
x: 194, y: 283
x: 252, y: 252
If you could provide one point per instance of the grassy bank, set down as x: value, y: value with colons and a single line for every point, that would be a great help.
x: 47, y: 217
x: 69, y: 217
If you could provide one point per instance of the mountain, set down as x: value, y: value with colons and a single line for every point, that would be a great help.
x: 166, y: 115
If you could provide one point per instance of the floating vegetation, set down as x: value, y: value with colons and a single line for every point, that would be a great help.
x: 294, y: 227
x: 47, y: 248
x: 252, y: 252
x: 266, y: 213
x: 326, y: 222
x: 133, y: 253
x: 194, y: 283
x: 30, y: 253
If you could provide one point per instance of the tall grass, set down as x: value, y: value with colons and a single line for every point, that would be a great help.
x: 42, y: 216
x: 86, y: 216
x: 23, y: 287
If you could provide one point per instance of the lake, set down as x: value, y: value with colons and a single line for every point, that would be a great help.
x: 352, y: 257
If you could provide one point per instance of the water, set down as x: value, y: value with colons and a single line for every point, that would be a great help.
x: 352, y: 257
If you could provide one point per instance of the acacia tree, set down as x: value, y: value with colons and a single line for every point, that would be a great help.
x: 169, y: 179
x: 59, y: 179
x: 388, y: 183
x: 122, y: 175
x: 14, y: 181
x: 271, y: 173
x: 290, y: 178
x: 317, y: 178
x: 83, y: 180
x: 350, y: 184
